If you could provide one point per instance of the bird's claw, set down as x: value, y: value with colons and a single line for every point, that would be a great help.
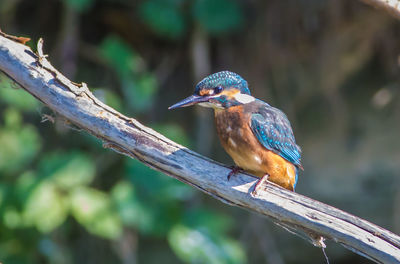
x: 259, y: 183
x: 234, y: 170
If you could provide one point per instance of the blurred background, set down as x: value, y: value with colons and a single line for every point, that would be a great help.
x: 331, y: 65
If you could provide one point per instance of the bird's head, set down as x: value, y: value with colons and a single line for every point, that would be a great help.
x: 220, y: 90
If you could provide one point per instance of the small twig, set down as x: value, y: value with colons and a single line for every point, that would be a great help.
x: 21, y: 40
x: 325, y: 255
x: 39, y: 50
x: 46, y: 118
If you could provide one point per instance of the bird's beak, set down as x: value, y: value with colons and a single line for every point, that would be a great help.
x: 191, y: 100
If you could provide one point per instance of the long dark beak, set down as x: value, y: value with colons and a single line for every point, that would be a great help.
x: 191, y: 100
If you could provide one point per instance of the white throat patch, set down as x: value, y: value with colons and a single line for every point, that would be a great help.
x: 244, y: 98
x: 210, y: 105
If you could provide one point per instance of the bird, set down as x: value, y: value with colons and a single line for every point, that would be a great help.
x: 258, y: 137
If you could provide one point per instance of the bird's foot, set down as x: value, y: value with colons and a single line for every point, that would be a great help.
x: 234, y: 170
x: 259, y: 183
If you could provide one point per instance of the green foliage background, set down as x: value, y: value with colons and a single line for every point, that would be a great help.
x: 330, y: 65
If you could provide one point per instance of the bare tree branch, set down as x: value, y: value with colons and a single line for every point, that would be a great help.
x: 390, y: 6
x: 295, y: 212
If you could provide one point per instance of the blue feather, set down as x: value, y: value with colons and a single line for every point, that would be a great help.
x: 225, y: 79
x: 273, y: 130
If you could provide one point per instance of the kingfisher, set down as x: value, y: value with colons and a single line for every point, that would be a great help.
x: 257, y: 136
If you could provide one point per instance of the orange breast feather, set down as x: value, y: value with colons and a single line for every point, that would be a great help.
x: 240, y: 143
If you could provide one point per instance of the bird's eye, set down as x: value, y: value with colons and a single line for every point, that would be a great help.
x: 218, y: 89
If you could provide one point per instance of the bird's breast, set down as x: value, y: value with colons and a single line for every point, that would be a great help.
x: 237, y: 138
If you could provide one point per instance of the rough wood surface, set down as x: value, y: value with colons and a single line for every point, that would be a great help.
x: 302, y: 215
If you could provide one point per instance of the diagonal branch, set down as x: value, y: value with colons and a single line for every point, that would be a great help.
x: 125, y: 135
x: 390, y: 6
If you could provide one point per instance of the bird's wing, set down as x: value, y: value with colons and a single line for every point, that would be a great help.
x: 272, y: 128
